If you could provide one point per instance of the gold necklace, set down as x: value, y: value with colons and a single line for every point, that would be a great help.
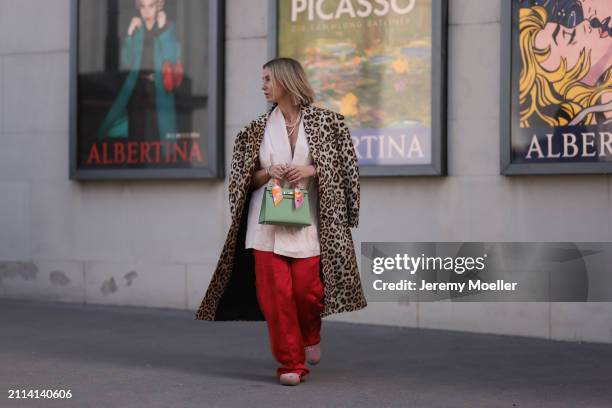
x: 290, y: 133
x: 295, y: 122
x: 291, y: 128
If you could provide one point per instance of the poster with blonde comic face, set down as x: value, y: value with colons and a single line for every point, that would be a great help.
x: 375, y: 63
x: 561, y: 115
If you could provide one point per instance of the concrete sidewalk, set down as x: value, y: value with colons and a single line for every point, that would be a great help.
x: 137, y: 357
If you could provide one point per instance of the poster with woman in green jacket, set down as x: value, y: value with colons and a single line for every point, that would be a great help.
x: 146, y: 89
x: 144, y: 109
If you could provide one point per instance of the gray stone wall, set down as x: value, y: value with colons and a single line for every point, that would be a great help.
x: 114, y: 242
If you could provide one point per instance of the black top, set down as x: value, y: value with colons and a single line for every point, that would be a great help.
x: 147, y: 62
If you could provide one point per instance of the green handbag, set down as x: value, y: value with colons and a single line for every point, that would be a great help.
x: 284, y: 213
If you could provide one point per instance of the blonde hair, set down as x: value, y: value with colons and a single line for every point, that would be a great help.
x: 555, y: 97
x: 290, y: 75
x: 160, y: 4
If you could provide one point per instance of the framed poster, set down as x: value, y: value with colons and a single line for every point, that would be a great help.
x: 381, y: 64
x: 146, y: 93
x: 556, y: 95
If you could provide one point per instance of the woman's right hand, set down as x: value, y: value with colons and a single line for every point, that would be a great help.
x: 277, y: 171
x: 134, y: 24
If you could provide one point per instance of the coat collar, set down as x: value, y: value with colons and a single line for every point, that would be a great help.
x: 307, y: 115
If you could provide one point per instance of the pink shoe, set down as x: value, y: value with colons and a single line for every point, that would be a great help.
x: 313, y: 353
x: 290, y: 379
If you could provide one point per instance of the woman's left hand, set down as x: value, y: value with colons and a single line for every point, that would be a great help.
x: 296, y: 173
x: 161, y: 19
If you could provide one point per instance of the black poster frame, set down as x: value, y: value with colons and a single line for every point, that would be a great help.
x: 215, y: 132
x: 509, y: 105
x: 438, y: 166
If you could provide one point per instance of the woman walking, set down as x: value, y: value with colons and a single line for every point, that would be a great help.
x: 287, y: 275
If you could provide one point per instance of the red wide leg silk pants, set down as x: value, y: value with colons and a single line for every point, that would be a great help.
x: 290, y: 294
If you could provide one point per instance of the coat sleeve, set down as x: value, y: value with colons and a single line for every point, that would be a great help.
x: 350, y: 172
x: 238, y: 170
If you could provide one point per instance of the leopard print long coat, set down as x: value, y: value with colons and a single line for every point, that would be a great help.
x: 231, y: 291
